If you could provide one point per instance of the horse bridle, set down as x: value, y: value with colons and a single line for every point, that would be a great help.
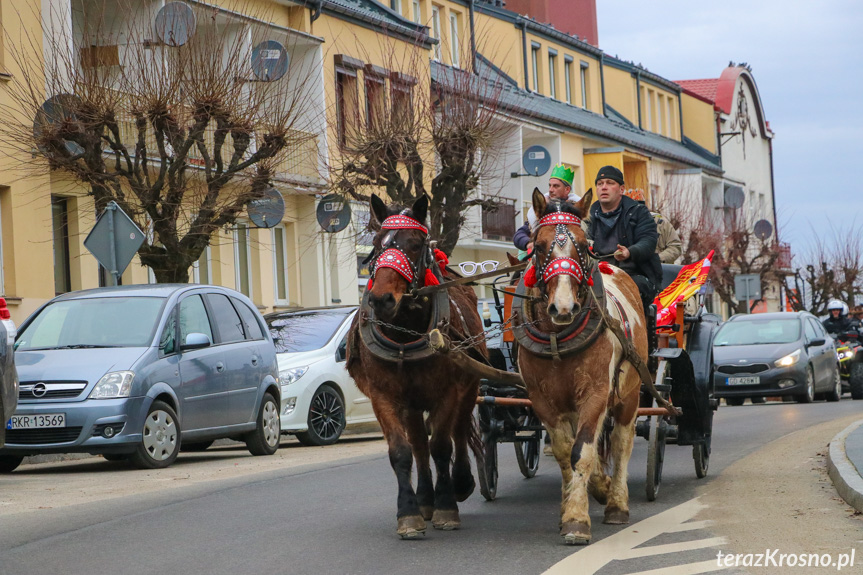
x: 554, y: 266
x: 392, y: 255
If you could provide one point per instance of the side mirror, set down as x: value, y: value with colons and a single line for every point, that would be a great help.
x: 342, y: 351
x: 816, y: 342
x: 195, y: 341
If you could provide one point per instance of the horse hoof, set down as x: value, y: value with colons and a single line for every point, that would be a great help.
x: 411, y: 527
x: 446, y: 519
x: 615, y: 516
x: 427, y: 511
x: 575, y: 533
x: 466, y: 493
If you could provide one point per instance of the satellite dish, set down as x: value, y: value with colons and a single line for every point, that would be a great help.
x: 268, y: 210
x: 333, y: 213
x: 269, y: 61
x: 56, y: 110
x: 734, y: 197
x: 763, y: 229
x: 175, y: 23
x: 536, y: 160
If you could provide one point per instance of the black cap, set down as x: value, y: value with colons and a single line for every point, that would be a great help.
x: 611, y: 173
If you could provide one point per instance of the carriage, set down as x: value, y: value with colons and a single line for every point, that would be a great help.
x: 681, y: 364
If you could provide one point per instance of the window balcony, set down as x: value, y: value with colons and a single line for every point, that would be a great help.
x: 500, y: 223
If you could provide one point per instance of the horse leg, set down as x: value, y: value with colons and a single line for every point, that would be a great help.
x: 622, y: 437
x: 599, y: 483
x: 446, y: 509
x: 576, y: 517
x: 410, y: 523
x: 418, y: 437
x: 465, y: 430
x: 562, y: 440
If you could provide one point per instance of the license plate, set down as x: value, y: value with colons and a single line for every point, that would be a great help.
x: 743, y: 380
x: 43, y: 421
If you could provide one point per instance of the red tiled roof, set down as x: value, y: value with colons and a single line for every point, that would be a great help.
x: 705, y: 88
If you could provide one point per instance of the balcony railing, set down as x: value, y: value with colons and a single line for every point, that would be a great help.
x: 784, y: 260
x: 500, y: 223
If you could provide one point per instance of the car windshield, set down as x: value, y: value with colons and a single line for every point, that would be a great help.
x: 304, y: 331
x: 758, y: 331
x: 93, y: 322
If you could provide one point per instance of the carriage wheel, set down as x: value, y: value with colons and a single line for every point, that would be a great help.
x: 488, y: 473
x: 655, y: 455
x: 701, y: 455
x: 527, y: 452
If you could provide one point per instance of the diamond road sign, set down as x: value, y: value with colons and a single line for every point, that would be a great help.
x: 114, y: 240
x: 747, y: 287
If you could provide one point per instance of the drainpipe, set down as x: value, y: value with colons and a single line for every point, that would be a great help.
x: 523, y: 24
x: 316, y: 9
x: 602, y: 79
x: 638, y: 96
x: 472, y: 38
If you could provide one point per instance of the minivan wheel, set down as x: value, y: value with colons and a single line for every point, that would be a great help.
x: 809, y: 395
x: 326, y: 418
x: 835, y: 394
x: 264, y: 440
x: 160, y: 441
x: 9, y: 463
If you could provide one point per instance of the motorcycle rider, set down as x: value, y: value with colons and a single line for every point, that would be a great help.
x: 837, y: 323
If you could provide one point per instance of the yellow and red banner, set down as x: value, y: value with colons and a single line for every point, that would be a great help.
x: 686, y: 284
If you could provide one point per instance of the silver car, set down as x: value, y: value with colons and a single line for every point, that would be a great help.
x: 8, y: 376
x: 134, y: 372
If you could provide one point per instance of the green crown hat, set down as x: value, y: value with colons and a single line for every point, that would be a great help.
x: 564, y: 174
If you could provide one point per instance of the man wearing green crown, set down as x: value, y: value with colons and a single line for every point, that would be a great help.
x: 559, y: 188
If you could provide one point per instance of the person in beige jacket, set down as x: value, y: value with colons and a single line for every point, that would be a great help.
x: 669, y: 247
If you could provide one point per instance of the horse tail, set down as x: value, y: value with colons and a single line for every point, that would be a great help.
x: 603, y: 445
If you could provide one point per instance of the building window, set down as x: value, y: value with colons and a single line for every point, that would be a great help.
x: 585, y: 84
x: 396, y: 5
x: 402, y: 102
x: 552, y: 65
x: 347, y: 95
x: 60, y: 228
x: 534, y: 60
x: 280, y: 264
x: 671, y: 130
x: 454, y: 34
x: 649, y: 107
x: 243, y: 259
x: 660, y: 117
x: 375, y: 100
x: 416, y: 6
x: 436, y: 32
x: 201, y: 268
x: 567, y: 78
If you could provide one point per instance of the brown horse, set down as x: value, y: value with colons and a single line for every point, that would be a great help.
x: 572, y: 394
x: 404, y: 378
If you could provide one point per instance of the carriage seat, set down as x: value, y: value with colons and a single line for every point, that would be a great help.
x: 669, y: 274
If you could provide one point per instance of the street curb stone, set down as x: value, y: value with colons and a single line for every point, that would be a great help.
x: 845, y: 476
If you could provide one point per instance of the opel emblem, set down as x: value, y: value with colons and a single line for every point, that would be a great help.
x: 39, y: 390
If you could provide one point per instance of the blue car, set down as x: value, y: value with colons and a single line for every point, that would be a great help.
x: 135, y: 372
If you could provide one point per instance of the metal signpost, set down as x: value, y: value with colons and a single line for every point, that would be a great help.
x: 747, y: 287
x: 114, y: 240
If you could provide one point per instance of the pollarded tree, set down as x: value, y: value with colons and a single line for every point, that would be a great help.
x: 174, y: 119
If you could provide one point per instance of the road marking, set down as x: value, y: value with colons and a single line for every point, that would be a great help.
x: 688, y: 569
x: 626, y: 544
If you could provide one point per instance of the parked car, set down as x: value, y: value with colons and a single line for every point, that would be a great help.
x: 498, y: 353
x: 319, y: 398
x: 137, y: 371
x: 8, y: 374
x: 775, y: 354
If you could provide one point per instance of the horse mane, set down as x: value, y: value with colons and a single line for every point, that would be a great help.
x: 563, y: 206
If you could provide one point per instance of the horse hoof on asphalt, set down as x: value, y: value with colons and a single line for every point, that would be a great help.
x: 575, y: 533
x: 615, y: 516
x: 411, y: 527
x: 446, y: 519
x: 463, y: 494
x: 427, y: 511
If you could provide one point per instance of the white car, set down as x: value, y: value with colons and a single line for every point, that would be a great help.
x: 319, y: 398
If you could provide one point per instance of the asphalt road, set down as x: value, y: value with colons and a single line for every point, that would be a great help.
x: 340, y: 517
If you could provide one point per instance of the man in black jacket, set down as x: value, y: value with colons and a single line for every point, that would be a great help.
x: 624, y: 230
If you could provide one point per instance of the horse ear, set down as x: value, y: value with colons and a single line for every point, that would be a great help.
x: 379, y: 209
x: 585, y: 202
x: 420, y: 208
x: 539, y: 203
x: 513, y: 261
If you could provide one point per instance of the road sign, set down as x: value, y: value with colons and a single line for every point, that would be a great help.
x: 536, y: 160
x: 747, y: 287
x: 334, y: 213
x: 268, y: 210
x: 114, y: 240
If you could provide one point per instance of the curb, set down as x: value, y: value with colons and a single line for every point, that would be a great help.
x: 846, y: 478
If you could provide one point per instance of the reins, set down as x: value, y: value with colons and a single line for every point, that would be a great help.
x: 417, y: 292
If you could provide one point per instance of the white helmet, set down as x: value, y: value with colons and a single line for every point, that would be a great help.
x: 836, y: 304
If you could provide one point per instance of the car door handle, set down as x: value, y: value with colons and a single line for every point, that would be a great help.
x: 220, y: 367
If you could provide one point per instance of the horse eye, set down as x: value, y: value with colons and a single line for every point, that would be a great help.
x: 414, y: 245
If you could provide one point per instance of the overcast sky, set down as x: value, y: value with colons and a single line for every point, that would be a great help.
x: 807, y: 60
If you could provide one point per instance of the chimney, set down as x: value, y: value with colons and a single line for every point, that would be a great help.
x: 574, y: 17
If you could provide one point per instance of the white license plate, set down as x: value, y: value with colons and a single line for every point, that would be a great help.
x: 743, y: 380
x: 42, y: 421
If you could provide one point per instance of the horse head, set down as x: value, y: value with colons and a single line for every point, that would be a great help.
x: 560, y: 255
x: 402, y: 257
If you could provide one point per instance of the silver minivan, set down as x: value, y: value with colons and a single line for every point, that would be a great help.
x: 133, y: 372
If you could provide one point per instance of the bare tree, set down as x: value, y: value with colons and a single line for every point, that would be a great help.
x: 182, y: 137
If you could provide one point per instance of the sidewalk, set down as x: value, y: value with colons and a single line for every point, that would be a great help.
x: 845, y: 464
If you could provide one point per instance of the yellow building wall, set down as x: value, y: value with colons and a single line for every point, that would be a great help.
x: 699, y: 123
x: 572, y: 155
x: 594, y: 161
x: 501, y: 43
x: 620, y: 93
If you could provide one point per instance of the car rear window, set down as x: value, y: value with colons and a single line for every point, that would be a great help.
x: 758, y: 331
x: 304, y: 331
x: 250, y: 322
x: 228, y: 323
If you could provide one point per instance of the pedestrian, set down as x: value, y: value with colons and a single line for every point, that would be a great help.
x: 559, y: 188
x: 668, y: 246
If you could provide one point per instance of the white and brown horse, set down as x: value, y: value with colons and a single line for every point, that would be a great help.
x: 573, y: 394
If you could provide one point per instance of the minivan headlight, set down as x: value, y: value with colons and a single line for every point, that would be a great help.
x: 113, y: 385
x: 788, y: 360
x: 289, y: 376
